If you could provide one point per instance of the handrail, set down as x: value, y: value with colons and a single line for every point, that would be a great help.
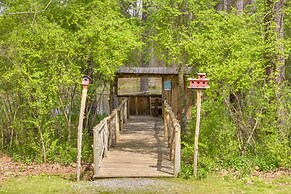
x: 106, y: 133
x: 172, y: 132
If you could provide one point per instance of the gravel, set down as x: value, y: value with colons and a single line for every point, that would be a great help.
x: 134, y: 183
x: 130, y: 184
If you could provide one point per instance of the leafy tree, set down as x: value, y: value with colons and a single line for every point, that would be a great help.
x: 45, y: 48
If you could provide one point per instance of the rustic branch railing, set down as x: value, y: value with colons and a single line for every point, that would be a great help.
x: 106, y: 133
x: 172, y: 132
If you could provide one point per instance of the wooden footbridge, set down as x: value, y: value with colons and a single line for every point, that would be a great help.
x: 137, y: 146
x: 132, y: 143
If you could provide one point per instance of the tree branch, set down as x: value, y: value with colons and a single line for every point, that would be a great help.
x: 250, y: 136
x: 28, y: 12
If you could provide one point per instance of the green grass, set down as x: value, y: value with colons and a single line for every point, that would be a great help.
x: 36, y: 184
x: 212, y: 184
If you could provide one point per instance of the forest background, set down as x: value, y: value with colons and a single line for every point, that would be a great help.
x: 242, y: 45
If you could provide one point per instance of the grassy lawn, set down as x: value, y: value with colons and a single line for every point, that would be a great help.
x: 212, y: 184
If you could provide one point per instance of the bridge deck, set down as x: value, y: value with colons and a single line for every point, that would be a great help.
x: 140, y: 152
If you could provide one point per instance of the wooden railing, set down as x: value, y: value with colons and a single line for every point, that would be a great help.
x: 106, y: 133
x: 172, y: 132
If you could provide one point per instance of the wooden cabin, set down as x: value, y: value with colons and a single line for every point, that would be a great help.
x: 150, y: 103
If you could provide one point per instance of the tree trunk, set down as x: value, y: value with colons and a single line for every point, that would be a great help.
x: 280, y: 67
x: 222, y: 5
x: 239, y: 5
x: 144, y: 83
x: 225, y: 5
x: 279, y: 30
x: 275, y: 66
x: 139, y: 6
x: 182, y: 98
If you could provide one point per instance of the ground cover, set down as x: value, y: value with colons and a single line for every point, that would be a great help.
x: 16, y: 177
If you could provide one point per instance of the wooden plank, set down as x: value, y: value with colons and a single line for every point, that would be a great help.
x: 140, y: 152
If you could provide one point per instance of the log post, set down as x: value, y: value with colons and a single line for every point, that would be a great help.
x: 136, y: 111
x: 121, y: 119
x: 197, y: 129
x: 128, y: 108
x: 85, y: 85
x: 117, y: 127
x: 166, y: 129
x: 95, y: 151
x: 106, y: 137
x: 199, y: 84
x: 177, y: 159
x: 125, y: 111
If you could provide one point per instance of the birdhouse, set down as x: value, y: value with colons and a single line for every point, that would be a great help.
x: 86, y: 80
x: 200, y: 83
x: 201, y: 75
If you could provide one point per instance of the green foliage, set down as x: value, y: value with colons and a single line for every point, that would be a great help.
x: 246, y: 112
x: 62, y: 152
x: 240, y: 118
x: 42, y: 56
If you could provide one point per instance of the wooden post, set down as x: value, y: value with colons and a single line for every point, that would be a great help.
x: 117, y: 127
x: 199, y: 84
x: 199, y: 97
x: 125, y: 111
x: 177, y: 159
x: 85, y: 84
x: 120, y: 112
x: 150, y: 105
x: 95, y: 151
x: 166, y: 130
x: 136, y: 111
x: 106, y: 137
x: 169, y: 129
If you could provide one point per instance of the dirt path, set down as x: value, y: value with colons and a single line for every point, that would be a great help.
x: 9, y: 168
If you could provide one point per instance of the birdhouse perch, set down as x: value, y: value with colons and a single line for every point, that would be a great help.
x: 200, y: 83
x: 86, y: 80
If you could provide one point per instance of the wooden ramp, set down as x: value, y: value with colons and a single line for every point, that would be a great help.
x: 141, y: 151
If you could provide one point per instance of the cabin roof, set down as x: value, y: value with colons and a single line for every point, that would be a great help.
x: 148, y: 71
